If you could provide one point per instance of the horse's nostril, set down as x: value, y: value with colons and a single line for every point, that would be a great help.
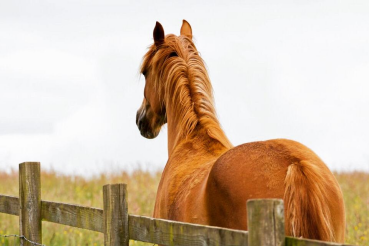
x: 140, y: 114
x: 137, y: 117
x: 140, y: 123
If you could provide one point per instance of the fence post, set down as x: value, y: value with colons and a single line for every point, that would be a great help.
x: 265, y: 220
x: 30, y: 202
x: 115, y: 215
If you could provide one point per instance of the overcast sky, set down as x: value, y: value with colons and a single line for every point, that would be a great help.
x: 70, y: 88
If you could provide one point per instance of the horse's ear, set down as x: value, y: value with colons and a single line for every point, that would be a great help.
x: 186, y: 29
x: 158, y: 34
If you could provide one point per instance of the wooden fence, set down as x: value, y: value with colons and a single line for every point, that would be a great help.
x: 265, y: 219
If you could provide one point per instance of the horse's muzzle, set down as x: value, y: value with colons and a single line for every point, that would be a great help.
x: 144, y: 125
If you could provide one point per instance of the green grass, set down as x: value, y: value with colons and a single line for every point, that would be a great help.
x: 141, y: 198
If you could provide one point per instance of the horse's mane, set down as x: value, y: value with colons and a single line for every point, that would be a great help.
x: 181, y: 80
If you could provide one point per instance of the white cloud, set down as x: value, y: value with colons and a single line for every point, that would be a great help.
x: 40, y: 87
x: 69, y: 90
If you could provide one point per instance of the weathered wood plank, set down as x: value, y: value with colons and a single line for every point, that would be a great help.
x: 61, y: 213
x: 265, y: 221
x: 167, y: 232
x: 292, y: 241
x: 115, y: 215
x: 30, y: 202
x: 73, y: 215
x: 9, y: 205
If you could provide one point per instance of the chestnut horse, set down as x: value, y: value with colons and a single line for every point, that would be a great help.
x: 208, y: 181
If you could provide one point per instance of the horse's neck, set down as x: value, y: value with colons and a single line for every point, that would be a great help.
x: 199, y: 141
x: 206, y: 133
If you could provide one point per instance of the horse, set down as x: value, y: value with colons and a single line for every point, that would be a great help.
x: 207, y: 180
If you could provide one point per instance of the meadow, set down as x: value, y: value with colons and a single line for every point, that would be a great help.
x: 141, y: 197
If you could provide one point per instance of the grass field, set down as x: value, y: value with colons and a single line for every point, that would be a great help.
x: 141, y: 196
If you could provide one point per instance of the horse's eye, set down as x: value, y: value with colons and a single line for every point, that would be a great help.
x: 173, y: 54
x: 144, y: 73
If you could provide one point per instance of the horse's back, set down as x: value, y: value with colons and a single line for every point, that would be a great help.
x: 258, y: 170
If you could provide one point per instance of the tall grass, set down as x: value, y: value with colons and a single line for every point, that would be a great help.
x: 355, y: 188
x: 141, y: 198
x: 78, y: 190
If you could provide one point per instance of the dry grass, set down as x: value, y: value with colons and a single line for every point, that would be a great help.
x: 87, y: 192
x: 142, y: 188
x: 355, y: 188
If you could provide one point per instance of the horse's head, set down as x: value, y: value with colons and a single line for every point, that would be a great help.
x: 151, y: 116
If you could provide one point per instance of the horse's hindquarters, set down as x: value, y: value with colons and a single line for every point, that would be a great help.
x: 245, y: 172
x: 258, y: 170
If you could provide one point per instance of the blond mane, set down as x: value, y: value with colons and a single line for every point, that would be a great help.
x: 181, y: 80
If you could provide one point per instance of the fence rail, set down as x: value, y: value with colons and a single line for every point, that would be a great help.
x: 265, y: 219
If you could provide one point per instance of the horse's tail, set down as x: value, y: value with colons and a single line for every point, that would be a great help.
x: 305, y: 197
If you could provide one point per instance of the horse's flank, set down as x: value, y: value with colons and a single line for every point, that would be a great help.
x: 206, y: 180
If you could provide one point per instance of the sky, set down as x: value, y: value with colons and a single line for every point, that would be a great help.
x: 70, y: 84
